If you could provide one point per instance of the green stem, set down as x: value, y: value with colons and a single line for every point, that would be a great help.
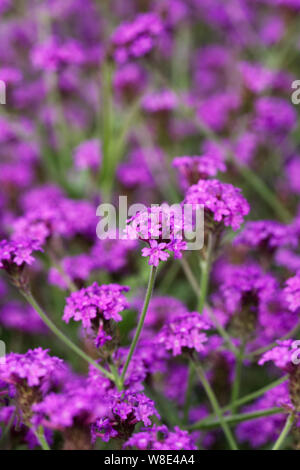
x: 188, y: 395
x: 237, y: 378
x: 31, y: 300
x: 262, y: 189
x: 189, y: 275
x: 258, y: 393
x: 205, y: 270
x: 107, y: 128
x: 117, y: 378
x: 215, y: 405
x: 222, y: 332
x: 141, y: 320
x: 40, y: 435
x: 288, y: 425
x: 235, y: 419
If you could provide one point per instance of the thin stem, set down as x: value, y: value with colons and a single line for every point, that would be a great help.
x: 205, y: 269
x: 222, y: 332
x: 284, y: 433
x: 258, y: 393
x: 235, y: 419
x: 31, y: 300
x: 150, y: 287
x: 189, y: 275
x: 188, y: 395
x: 40, y: 435
x: 237, y: 378
x: 215, y: 405
x: 117, y: 378
x: 260, y: 351
x: 107, y: 128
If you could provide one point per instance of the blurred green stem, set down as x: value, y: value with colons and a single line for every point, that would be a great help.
x: 237, y: 378
x: 206, y: 424
x: 205, y: 265
x: 215, y: 405
x: 284, y: 433
x: 150, y: 288
x: 40, y: 435
x: 107, y: 129
x: 31, y: 300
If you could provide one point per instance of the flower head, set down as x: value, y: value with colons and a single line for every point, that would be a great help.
x: 136, y: 39
x: 95, y: 306
x: 185, y: 332
x: 222, y: 201
x: 161, y: 438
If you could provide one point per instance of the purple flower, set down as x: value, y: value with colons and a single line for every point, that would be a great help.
x: 292, y: 292
x: 267, y: 428
x: 274, y: 116
x: 17, y: 252
x: 78, y: 268
x: 194, y: 168
x: 14, y: 315
x: 281, y: 355
x: 136, y: 39
x: 94, y: 306
x: 163, y: 101
x: 124, y: 411
x: 162, y: 227
x: 183, y: 332
x: 156, y: 252
x: 88, y: 155
x: 35, y: 367
x: 267, y: 234
x: 160, y: 438
x: 222, y: 201
x: 81, y: 403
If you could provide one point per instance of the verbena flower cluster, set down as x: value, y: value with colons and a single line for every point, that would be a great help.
x: 140, y: 340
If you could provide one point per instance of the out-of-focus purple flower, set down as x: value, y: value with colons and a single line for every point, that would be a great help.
x: 274, y: 116
x: 14, y: 315
x: 17, y: 252
x: 185, y: 332
x: 292, y: 292
x: 267, y: 428
x: 136, y: 39
x: 281, y: 355
x: 160, y: 102
x: 160, y: 438
x: 257, y: 78
x: 248, y: 284
x: 246, y: 146
x: 129, y: 80
x: 82, y: 404
x: 266, y: 234
x: 88, y: 155
x: 194, y: 168
x: 78, y: 268
x: 35, y: 367
x: 293, y: 174
x: 112, y: 255
x: 215, y: 110
x: 51, y: 54
x: 136, y: 171
x: 222, y: 201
